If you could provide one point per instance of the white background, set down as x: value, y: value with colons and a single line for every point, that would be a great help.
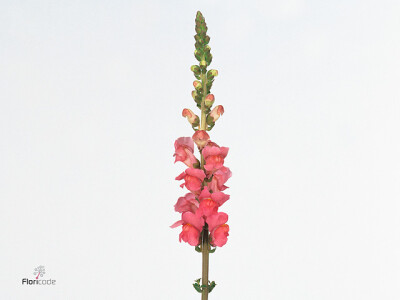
x: 91, y: 94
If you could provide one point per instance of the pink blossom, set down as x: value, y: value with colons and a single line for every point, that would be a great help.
x: 220, y: 177
x: 216, y: 113
x: 193, y: 179
x: 184, y: 148
x: 191, y: 116
x: 191, y: 229
x: 214, y: 157
x: 210, y: 143
x: 209, y: 202
x: 201, y: 137
x: 218, y: 229
x: 187, y: 203
x: 219, y: 236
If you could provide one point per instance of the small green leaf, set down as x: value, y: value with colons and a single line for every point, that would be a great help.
x: 211, y: 286
x: 198, y: 249
x: 197, y: 287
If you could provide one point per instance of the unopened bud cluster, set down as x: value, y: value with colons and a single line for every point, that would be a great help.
x: 204, y: 79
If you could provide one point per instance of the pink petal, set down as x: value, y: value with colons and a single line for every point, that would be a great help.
x: 216, y: 220
x: 195, y: 220
x: 177, y: 223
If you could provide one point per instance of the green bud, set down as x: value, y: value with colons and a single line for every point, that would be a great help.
x: 197, y: 54
x: 203, y: 64
x: 197, y: 85
x: 209, y: 100
x: 195, y: 69
x: 213, y: 73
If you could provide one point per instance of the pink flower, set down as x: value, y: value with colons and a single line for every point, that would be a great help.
x: 191, y: 229
x: 209, y: 202
x: 218, y: 229
x: 214, y: 157
x: 187, y: 203
x: 193, y: 179
x: 200, y: 137
x: 184, y: 148
x: 191, y: 116
x: 216, y: 113
x: 220, y: 177
x: 209, y: 143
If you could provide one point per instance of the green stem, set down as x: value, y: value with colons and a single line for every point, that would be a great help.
x: 203, y: 125
x: 205, y: 254
x: 205, y: 244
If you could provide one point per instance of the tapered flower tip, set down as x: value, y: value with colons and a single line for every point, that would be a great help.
x: 201, y: 138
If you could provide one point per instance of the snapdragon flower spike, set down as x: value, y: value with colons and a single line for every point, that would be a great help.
x: 205, y: 177
x: 184, y: 148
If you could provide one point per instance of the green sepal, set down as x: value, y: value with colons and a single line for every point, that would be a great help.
x: 198, y: 249
x: 211, y: 286
x: 212, y: 250
x: 209, y: 120
x: 210, y: 127
x: 197, y: 287
x: 197, y: 54
x: 195, y: 69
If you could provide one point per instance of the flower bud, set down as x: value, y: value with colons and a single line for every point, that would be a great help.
x: 203, y: 64
x: 197, y: 84
x: 194, y: 94
x: 209, y: 101
x: 197, y: 55
x: 216, y: 113
x: 192, y: 117
x: 195, y: 69
x: 201, y: 138
x: 213, y: 73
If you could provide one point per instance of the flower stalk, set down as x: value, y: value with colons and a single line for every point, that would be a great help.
x: 203, y: 225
